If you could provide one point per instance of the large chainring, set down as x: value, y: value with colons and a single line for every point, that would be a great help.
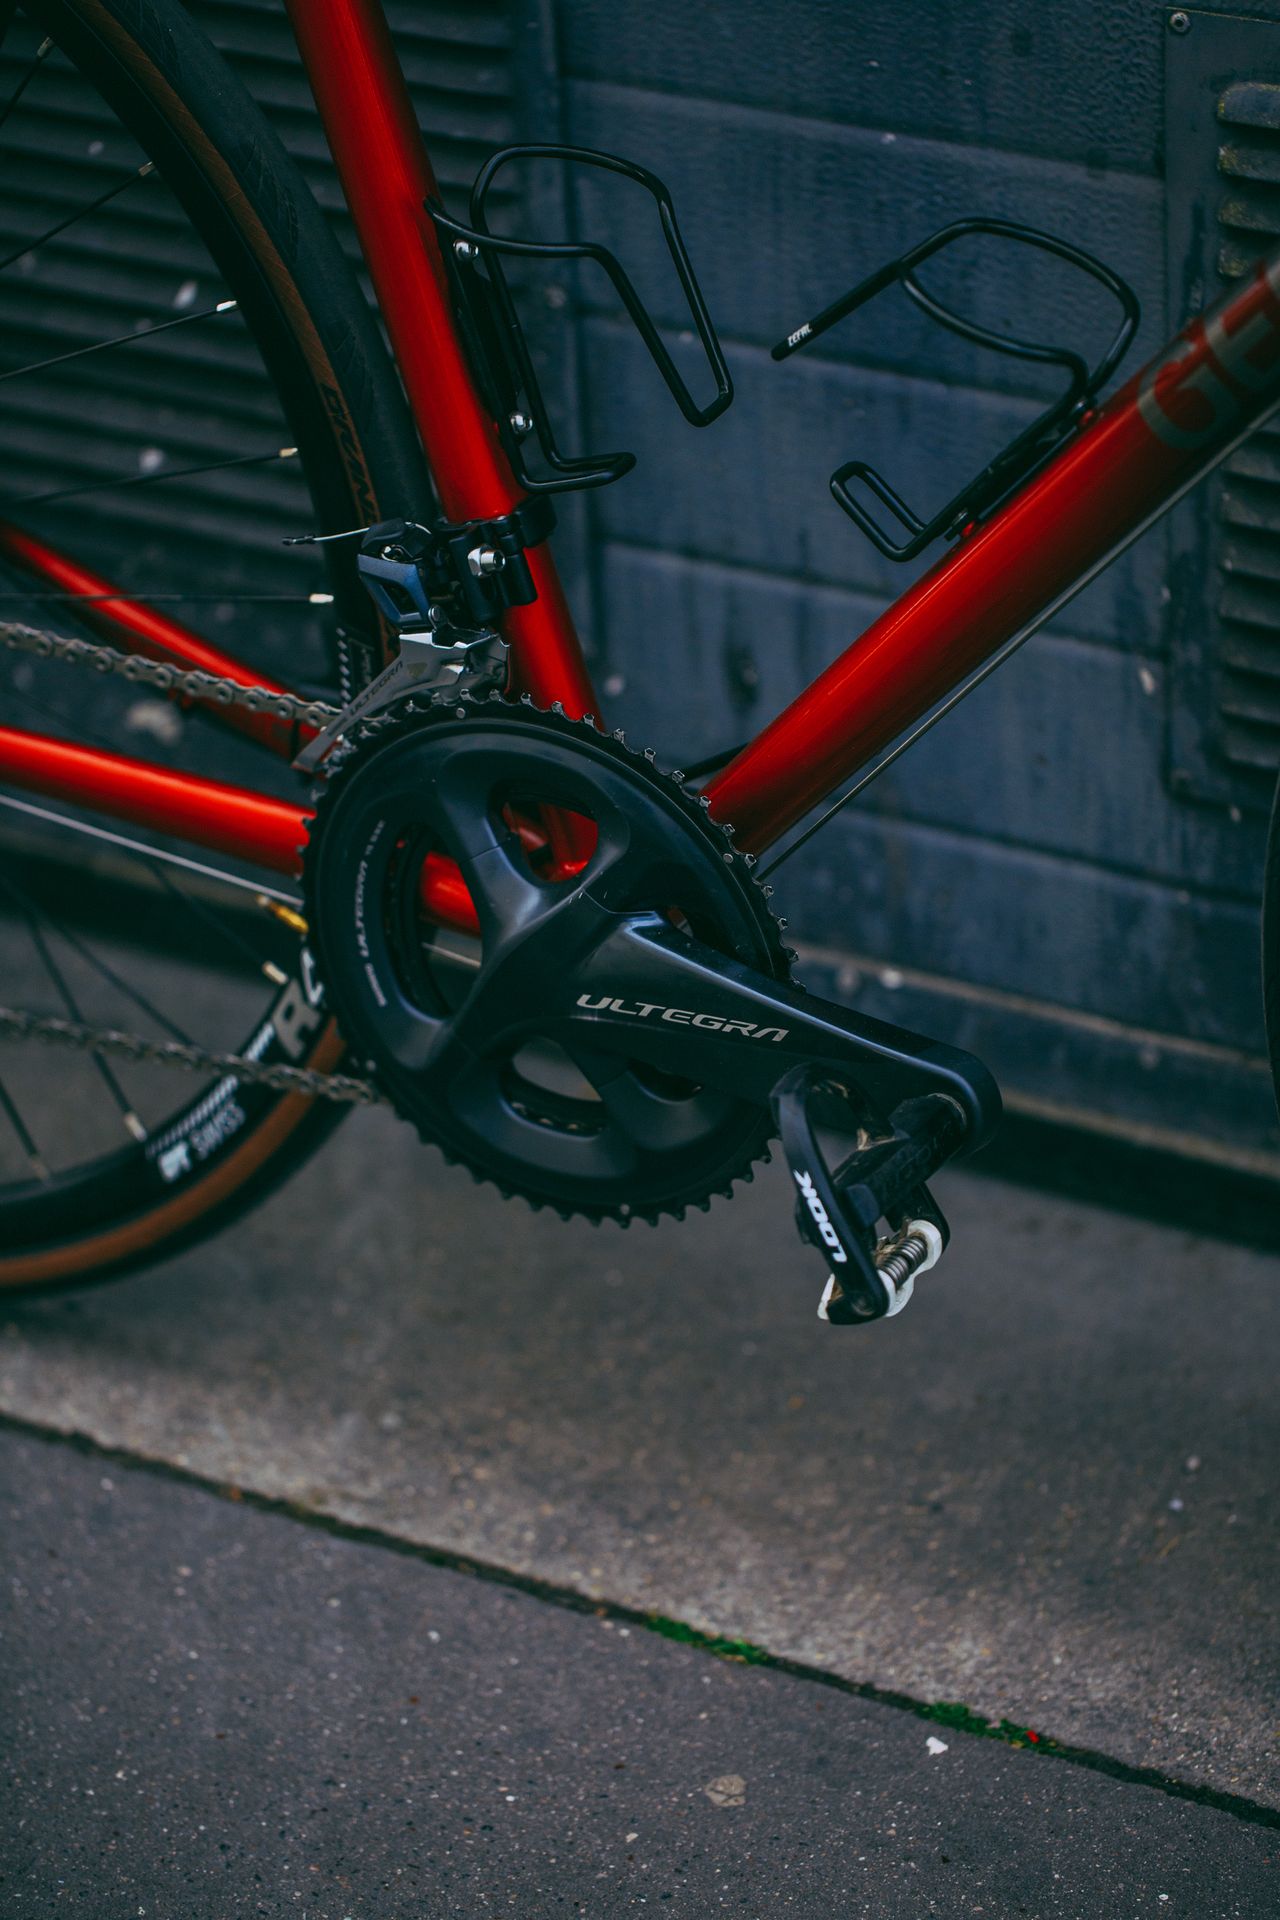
x: 447, y: 1022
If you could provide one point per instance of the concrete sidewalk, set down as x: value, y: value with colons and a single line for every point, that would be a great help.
x: 210, y: 1711
x: 1044, y: 1492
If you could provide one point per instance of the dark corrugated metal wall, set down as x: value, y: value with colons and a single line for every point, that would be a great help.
x: 1048, y: 878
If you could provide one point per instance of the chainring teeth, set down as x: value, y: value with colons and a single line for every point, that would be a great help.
x: 366, y: 742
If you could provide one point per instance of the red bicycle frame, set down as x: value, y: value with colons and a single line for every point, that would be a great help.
x: 1121, y: 469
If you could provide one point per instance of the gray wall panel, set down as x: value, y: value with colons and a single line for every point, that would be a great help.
x: 1138, y: 952
x: 1080, y: 83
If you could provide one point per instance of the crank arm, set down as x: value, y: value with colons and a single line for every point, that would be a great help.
x: 650, y: 992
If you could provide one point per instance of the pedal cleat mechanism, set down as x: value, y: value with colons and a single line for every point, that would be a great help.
x: 898, y: 1260
x: 872, y: 1274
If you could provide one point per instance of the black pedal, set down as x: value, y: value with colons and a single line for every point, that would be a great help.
x: 871, y: 1275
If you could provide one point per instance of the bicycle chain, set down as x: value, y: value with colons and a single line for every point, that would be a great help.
x: 188, y: 681
x: 74, y: 1034
x: 15, y: 1025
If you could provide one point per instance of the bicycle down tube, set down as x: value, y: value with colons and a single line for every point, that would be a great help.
x: 1125, y: 465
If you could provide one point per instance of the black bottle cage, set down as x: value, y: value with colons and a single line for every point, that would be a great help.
x: 1031, y: 447
x: 496, y: 339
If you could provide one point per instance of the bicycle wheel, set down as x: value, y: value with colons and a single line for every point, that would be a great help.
x: 103, y: 1166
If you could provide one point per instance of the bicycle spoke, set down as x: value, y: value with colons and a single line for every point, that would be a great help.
x: 132, y: 1123
x: 150, y: 479
x: 155, y: 862
x: 38, y: 1164
x: 107, y: 932
x: 152, y: 633
x: 81, y: 213
x: 123, y: 339
x: 41, y: 55
x: 94, y: 960
x: 236, y: 941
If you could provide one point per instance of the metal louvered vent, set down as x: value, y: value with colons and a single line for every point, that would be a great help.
x: 1248, y: 554
x: 196, y: 394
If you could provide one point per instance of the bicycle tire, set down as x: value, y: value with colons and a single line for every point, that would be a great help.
x: 252, y: 209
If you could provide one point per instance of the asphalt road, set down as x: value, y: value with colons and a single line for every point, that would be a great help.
x: 212, y: 1711
x: 1046, y: 1491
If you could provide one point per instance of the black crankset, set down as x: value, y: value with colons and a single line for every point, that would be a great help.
x: 474, y: 1035
x: 608, y: 1038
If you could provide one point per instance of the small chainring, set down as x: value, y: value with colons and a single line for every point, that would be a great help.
x: 486, y: 784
